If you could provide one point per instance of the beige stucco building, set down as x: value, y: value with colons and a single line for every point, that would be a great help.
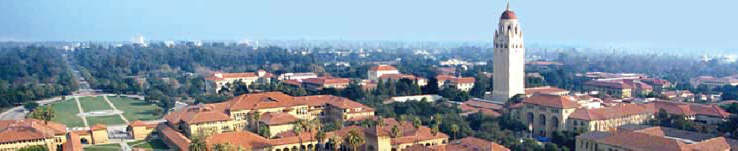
x: 219, y: 79
x: 17, y: 134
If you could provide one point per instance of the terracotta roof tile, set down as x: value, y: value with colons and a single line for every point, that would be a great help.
x: 326, y: 80
x: 611, y: 112
x: 73, y: 143
x: 462, y: 80
x: 552, y: 101
x: 383, y: 68
x: 545, y: 90
x: 277, y: 118
x: 98, y: 127
x: 28, y: 129
x: 174, y: 137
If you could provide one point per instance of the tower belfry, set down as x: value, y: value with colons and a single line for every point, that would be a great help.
x: 509, y: 58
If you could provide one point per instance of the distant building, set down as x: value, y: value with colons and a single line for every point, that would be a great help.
x: 464, y: 144
x: 377, y: 71
x: 297, y: 76
x: 428, y: 98
x: 461, y: 83
x: 317, y: 84
x: 219, y: 79
x: 712, y: 82
x: 641, y: 137
x: 139, y: 40
x: 480, y: 106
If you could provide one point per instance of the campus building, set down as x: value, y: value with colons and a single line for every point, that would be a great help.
x: 377, y: 71
x: 546, y: 113
x: 641, y: 137
x: 17, y: 134
x: 233, y: 122
x: 219, y: 79
x: 461, y: 83
x: 237, y: 114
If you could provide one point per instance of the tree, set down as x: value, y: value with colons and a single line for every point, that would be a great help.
x: 432, y: 86
x: 30, y: 105
x: 297, y: 129
x: 44, y: 114
x: 455, y: 129
x: 34, y: 148
x: 434, y: 129
x: 336, y: 142
x: 320, y: 137
x: 417, y: 122
x: 198, y: 144
x: 240, y: 88
x: 395, y: 131
x: 354, y: 139
x: 256, y: 117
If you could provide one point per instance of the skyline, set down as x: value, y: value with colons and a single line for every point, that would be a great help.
x: 657, y: 23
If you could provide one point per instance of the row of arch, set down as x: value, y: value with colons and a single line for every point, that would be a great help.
x: 542, y: 121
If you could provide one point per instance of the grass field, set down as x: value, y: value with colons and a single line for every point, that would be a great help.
x: 94, y: 103
x: 149, y: 144
x: 135, y: 109
x: 65, y: 112
x: 107, y: 120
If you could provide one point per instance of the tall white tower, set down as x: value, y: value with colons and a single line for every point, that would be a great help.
x: 509, y: 58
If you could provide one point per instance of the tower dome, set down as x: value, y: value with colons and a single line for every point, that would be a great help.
x: 508, y: 15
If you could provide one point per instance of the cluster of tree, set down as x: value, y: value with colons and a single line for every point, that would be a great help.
x: 402, y: 87
x: 33, y: 73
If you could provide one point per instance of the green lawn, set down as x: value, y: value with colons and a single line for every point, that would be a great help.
x: 135, y: 109
x: 149, y: 144
x: 106, y: 147
x: 65, y: 112
x: 107, y: 120
x: 90, y: 104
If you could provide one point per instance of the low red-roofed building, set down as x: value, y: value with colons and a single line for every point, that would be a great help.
x: 220, y: 79
x: 651, y: 138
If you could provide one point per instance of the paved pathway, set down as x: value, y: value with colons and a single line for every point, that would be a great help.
x: 79, y: 106
x: 115, y: 109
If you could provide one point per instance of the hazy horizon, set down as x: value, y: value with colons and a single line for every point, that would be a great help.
x: 658, y: 23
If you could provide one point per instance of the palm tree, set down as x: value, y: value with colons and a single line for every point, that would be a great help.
x: 197, y: 144
x: 438, y: 118
x: 380, y: 121
x: 256, y: 117
x: 434, y: 129
x: 336, y: 142
x: 417, y: 122
x: 320, y: 137
x: 395, y: 131
x: 354, y: 139
x: 298, y: 129
x: 454, y: 128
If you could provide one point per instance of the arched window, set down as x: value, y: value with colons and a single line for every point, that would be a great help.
x: 530, y: 118
x: 555, y: 122
x: 542, y: 120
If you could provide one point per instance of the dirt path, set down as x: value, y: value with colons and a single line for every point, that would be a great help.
x: 115, y: 109
x: 79, y: 106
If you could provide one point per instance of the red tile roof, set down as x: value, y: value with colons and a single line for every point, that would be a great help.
x: 545, y: 90
x: 98, y: 127
x: 463, y: 80
x: 383, y: 68
x: 173, y: 137
x: 680, y: 108
x: 326, y: 80
x: 199, y: 114
x: 609, y: 84
x: 73, y: 143
x: 552, y: 101
x: 474, y: 144
x: 482, y: 104
x: 277, y: 118
x: 28, y: 129
x: 611, y: 112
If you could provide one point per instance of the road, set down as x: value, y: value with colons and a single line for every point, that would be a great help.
x: 19, y: 113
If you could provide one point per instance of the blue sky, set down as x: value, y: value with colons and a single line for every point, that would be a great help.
x: 660, y: 23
